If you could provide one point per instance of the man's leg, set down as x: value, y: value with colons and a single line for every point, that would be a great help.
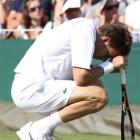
x: 83, y: 101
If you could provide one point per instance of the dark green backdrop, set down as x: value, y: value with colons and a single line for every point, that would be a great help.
x: 11, y: 51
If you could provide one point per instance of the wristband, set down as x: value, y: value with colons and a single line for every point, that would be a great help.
x: 107, y: 67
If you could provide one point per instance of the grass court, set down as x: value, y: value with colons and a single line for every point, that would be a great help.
x: 10, y: 135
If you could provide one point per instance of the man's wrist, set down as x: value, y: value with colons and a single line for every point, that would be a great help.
x: 107, y: 66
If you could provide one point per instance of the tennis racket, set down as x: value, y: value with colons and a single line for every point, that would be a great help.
x: 127, y: 126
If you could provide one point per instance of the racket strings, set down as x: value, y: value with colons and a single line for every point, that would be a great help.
x: 127, y: 127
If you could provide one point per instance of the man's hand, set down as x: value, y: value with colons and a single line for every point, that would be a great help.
x: 120, y: 61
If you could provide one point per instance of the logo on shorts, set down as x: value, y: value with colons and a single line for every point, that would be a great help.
x: 65, y: 90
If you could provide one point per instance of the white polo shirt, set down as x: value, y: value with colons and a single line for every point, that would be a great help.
x: 55, y: 52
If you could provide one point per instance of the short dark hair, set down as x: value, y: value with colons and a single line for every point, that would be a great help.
x: 120, y: 37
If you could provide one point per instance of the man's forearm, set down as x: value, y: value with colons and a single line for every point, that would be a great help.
x: 85, y: 76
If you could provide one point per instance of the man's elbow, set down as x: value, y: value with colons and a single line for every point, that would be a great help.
x: 81, y: 80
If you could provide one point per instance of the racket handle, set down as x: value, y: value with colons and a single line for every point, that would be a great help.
x: 123, y: 76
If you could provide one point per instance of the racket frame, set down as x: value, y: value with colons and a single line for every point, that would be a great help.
x: 125, y: 108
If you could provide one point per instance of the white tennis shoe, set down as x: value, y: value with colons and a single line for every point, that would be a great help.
x: 26, y: 133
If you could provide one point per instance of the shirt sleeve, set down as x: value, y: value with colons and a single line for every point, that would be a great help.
x: 83, y: 38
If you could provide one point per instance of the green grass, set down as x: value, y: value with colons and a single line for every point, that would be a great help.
x: 9, y: 135
x: 12, y: 136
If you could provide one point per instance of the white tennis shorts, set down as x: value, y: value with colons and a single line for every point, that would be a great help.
x: 41, y: 96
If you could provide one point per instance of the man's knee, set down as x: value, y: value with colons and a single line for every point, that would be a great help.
x: 103, y: 96
x: 99, y: 100
x: 103, y: 99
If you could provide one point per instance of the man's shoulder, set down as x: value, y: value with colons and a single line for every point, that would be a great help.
x: 82, y: 20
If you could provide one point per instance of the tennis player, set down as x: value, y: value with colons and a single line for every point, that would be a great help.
x: 56, y: 76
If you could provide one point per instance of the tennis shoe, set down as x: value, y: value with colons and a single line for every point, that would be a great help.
x: 27, y: 133
x: 24, y: 132
x: 49, y: 135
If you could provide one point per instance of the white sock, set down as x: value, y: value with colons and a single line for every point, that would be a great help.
x: 47, y: 124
